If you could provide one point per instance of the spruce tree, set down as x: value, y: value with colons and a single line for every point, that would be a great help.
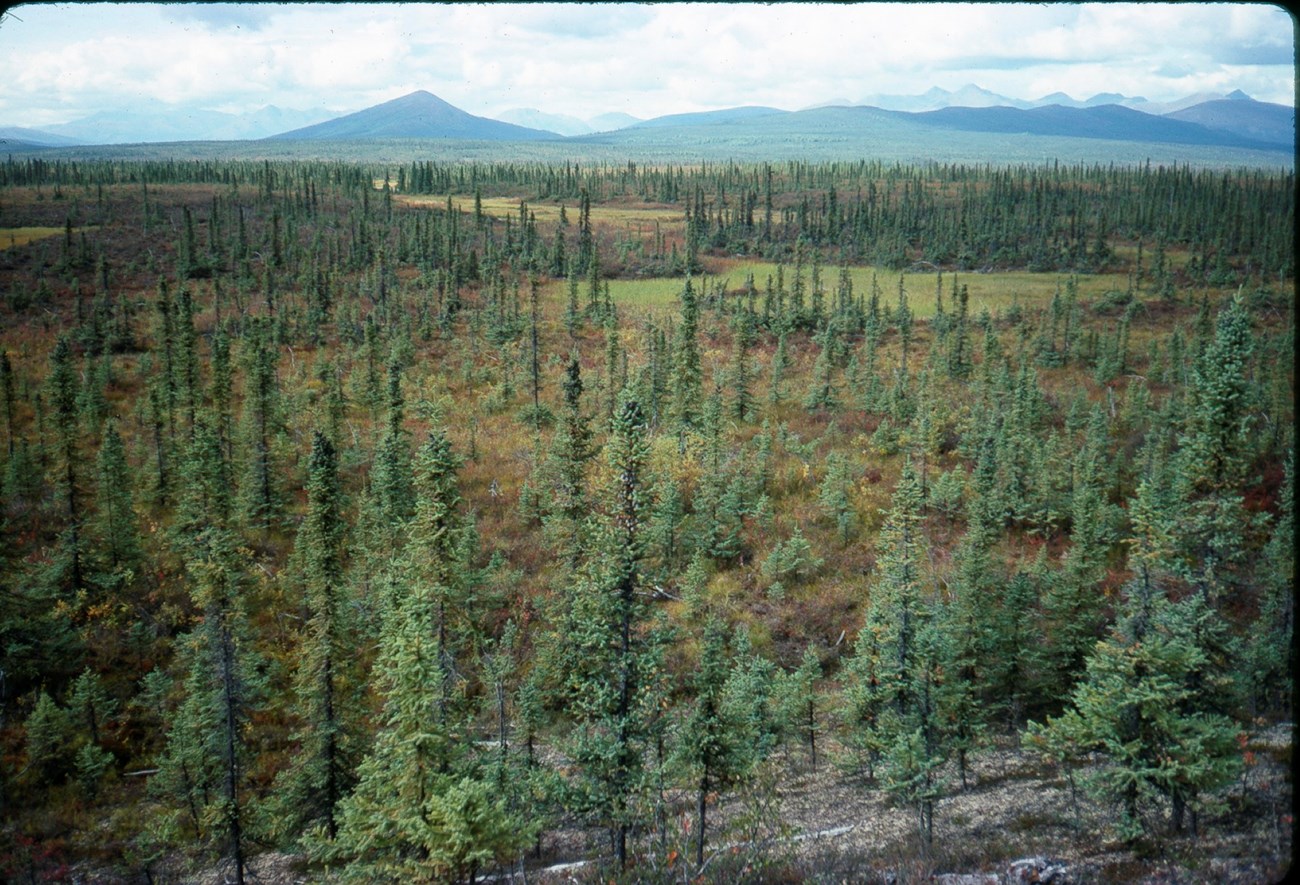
x: 7, y: 400
x: 896, y: 684
x: 114, y: 525
x: 206, y: 761
x: 421, y: 807
x: 1214, y: 455
x: 63, y: 385
x: 262, y: 504
x: 686, y: 379
x: 609, y: 656
x: 711, y: 747
x: 326, y: 681
x: 1138, y: 706
x: 572, y: 448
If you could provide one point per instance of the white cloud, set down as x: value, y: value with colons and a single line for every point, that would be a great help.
x: 59, y: 62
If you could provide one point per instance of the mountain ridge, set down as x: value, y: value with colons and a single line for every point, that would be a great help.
x: 419, y: 114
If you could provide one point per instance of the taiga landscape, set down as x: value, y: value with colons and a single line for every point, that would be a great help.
x: 889, y: 490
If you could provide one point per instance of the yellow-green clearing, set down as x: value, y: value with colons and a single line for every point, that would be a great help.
x: 21, y: 236
x: 503, y: 207
x: 995, y: 292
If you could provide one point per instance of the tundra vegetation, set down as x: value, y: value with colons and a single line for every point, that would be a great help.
x: 452, y: 519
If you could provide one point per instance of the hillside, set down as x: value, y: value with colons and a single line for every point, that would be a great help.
x: 1257, y: 120
x: 417, y: 115
x: 1109, y: 122
x: 1102, y: 134
x: 725, y: 116
x: 21, y: 137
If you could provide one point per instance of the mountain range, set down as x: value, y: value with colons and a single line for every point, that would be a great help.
x: 1230, y: 121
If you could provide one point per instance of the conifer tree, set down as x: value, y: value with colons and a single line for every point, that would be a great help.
x: 63, y: 384
x: 420, y: 807
x: 821, y: 395
x: 262, y: 505
x: 897, y: 678
x: 390, y: 483
x: 205, y: 763
x: 1269, y: 663
x: 326, y: 681
x: 609, y: 656
x: 799, y: 701
x: 571, y: 449
x: 711, y: 747
x: 741, y: 376
x: 833, y: 495
x: 114, y: 526
x: 439, y: 555
x: 1139, y: 707
x: 48, y: 742
x: 780, y: 365
x: 686, y: 379
x: 1214, y: 454
x: 7, y: 400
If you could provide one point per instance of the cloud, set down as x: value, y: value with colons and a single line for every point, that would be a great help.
x: 250, y: 16
x: 1257, y: 54
x: 645, y: 59
x: 583, y: 21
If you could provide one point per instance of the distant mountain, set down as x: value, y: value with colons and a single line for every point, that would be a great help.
x: 1168, y: 107
x: 157, y: 121
x: 270, y: 119
x: 936, y: 98
x: 1101, y: 98
x: 1110, y: 121
x: 1239, y: 114
x: 535, y: 119
x: 829, y: 103
x: 972, y: 96
x: 417, y: 115
x: 708, y: 118
x: 18, y: 136
x: 611, y: 121
x: 1002, y: 132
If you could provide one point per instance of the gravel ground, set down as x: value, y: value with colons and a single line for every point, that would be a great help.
x: 830, y: 826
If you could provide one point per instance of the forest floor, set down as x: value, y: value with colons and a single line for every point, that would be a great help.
x: 828, y: 825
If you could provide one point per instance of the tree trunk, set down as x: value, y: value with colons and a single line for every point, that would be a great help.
x: 703, y: 802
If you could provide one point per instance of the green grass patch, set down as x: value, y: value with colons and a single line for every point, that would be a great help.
x: 995, y: 292
x: 11, y: 237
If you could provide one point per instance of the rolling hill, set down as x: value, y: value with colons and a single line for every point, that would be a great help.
x: 1258, y: 120
x: 1111, y: 122
x: 709, y: 118
x: 416, y: 115
x: 871, y: 127
x: 21, y: 137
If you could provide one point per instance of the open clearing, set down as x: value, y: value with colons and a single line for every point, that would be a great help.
x: 508, y: 207
x: 994, y: 292
x: 21, y: 236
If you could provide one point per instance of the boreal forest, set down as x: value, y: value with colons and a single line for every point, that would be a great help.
x: 766, y: 522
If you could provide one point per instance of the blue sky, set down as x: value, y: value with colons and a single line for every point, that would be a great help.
x: 64, y: 61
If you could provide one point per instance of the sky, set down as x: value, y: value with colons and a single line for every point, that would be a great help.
x: 60, y: 62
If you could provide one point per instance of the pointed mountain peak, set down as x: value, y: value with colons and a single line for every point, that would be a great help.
x: 1238, y: 95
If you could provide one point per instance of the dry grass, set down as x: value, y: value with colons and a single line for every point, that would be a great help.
x: 11, y: 237
x: 508, y: 207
